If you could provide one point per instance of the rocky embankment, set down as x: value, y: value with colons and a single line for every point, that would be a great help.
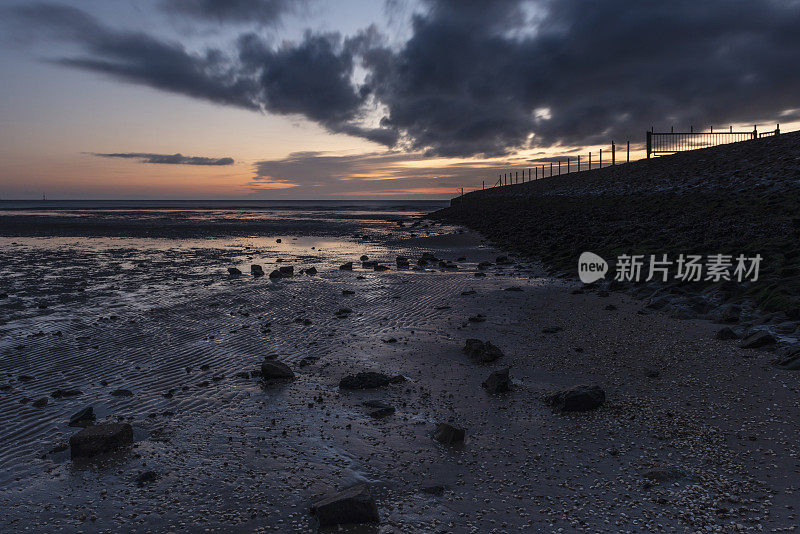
x: 736, y: 199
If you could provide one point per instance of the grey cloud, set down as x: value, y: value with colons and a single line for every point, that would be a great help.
x: 267, y: 12
x: 484, y: 78
x: 468, y: 82
x: 311, y: 78
x: 396, y: 173
x: 168, y: 159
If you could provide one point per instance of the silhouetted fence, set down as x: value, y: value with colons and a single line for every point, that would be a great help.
x: 563, y: 165
x: 660, y: 143
x: 657, y: 143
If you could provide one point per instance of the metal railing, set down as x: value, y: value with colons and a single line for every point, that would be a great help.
x: 657, y: 143
x: 660, y: 143
x: 559, y: 165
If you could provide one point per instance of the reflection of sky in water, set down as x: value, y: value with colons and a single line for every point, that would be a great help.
x: 141, y: 272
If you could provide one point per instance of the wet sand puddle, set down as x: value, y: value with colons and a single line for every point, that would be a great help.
x: 154, y: 333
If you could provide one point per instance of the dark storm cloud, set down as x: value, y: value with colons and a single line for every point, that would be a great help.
x: 140, y: 58
x: 311, y: 78
x: 267, y: 12
x: 169, y: 159
x: 480, y: 77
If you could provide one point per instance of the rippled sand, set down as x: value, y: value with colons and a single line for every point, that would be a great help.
x: 229, y: 455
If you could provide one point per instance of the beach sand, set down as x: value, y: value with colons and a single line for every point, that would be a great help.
x: 695, y: 433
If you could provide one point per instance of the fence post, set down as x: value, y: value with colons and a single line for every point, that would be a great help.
x: 590, y: 161
x: 628, y: 156
x: 483, y: 185
x: 551, y: 168
x: 613, y: 153
x: 567, y: 165
x: 777, y: 129
x: 755, y: 132
x: 579, y: 163
x: 516, y: 177
x: 600, y: 163
x: 649, y: 144
x: 559, y: 167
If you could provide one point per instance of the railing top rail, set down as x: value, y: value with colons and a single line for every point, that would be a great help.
x: 747, y: 132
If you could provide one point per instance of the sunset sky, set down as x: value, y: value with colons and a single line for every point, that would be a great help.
x: 366, y: 98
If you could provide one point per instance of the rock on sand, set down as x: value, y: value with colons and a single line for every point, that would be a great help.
x: 99, y: 439
x: 273, y: 369
x: 577, y: 398
x: 498, y: 382
x: 350, y: 505
x: 448, y: 434
x: 368, y: 380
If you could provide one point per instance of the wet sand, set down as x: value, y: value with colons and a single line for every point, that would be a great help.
x: 230, y: 455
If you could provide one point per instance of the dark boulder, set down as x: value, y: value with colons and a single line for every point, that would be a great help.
x: 788, y: 357
x: 351, y: 505
x: 287, y: 270
x: 311, y: 271
x: 275, y: 370
x: 448, y: 434
x: 276, y: 274
x: 577, y: 398
x: 726, y: 333
x: 368, y: 380
x: 481, y: 352
x: 498, y: 382
x: 40, y: 403
x: 100, y: 439
x: 730, y: 313
x: 256, y: 270
x: 433, y: 489
x: 346, y: 266
x: 757, y: 339
x: 122, y: 393
x: 233, y: 271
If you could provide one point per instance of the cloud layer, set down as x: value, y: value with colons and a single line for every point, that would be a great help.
x: 476, y: 77
x: 168, y: 159
x: 267, y: 12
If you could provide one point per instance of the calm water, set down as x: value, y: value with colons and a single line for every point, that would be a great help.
x: 203, y: 205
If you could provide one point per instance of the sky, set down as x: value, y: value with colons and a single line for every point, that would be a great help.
x: 314, y: 99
